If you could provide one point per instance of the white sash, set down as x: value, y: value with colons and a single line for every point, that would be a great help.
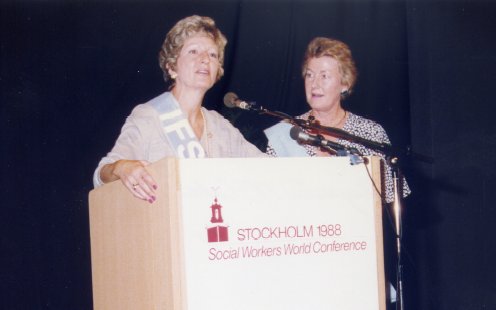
x: 176, y: 127
x: 280, y: 140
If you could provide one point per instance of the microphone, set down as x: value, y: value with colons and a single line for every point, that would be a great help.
x: 231, y: 100
x: 301, y: 136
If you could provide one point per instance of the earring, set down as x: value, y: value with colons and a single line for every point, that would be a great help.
x: 173, y: 75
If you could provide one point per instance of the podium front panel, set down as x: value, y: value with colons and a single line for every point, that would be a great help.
x: 279, y: 233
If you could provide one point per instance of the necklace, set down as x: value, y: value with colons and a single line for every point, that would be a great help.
x: 207, y: 135
x: 333, y: 125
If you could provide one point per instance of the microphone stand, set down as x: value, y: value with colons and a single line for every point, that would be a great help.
x: 397, y: 204
x: 397, y: 207
x: 391, y: 154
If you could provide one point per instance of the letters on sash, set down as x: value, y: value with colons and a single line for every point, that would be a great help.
x: 177, y: 128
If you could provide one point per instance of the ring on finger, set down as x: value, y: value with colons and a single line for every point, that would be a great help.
x: 135, y: 186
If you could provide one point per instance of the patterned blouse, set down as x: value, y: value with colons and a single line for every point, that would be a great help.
x: 368, y: 129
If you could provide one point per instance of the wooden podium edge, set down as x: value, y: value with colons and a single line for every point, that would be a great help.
x: 137, y: 247
x: 375, y: 170
x: 178, y: 272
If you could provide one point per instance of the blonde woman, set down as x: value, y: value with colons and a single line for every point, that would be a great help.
x: 175, y: 124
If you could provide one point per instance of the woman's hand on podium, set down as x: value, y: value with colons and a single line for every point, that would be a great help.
x: 134, y: 176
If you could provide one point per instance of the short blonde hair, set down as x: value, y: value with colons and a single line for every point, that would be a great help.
x: 182, y: 30
x: 338, y: 50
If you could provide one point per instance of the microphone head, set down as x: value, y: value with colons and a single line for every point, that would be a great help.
x: 230, y: 99
x: 295, y: 132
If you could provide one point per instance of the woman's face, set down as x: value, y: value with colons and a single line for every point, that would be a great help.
x: 323, y: 83
x: 198, y: 63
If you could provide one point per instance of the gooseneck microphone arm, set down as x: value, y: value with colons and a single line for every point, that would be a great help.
x: 387, y: 149
x: 232, y: 100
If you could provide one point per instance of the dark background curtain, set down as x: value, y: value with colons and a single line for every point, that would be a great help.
x: 71, y: 71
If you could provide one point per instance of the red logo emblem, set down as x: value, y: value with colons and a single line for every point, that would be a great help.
x: 217, y: 232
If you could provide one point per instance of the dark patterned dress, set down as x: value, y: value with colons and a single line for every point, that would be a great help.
x: 367, y: 129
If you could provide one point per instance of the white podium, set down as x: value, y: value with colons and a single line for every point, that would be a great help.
x: 264, y: 233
